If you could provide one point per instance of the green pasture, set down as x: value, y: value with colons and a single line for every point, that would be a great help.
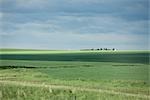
x: 94, y: 71
x: 118, y: 71
x: 84, y: 56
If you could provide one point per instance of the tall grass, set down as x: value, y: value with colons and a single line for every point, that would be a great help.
x: 16, y: 92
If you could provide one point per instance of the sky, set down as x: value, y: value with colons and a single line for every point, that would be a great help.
x: 74, y: 24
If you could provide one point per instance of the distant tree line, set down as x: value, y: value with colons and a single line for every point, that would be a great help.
x: 99, y: 49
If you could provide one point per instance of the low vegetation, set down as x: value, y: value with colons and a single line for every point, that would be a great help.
x: 74, y: 75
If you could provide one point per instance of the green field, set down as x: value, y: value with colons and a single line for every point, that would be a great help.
x: 74, y: 75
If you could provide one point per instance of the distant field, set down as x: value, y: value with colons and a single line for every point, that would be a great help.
x: 74, y: 75
x: 90, y: 56
x: 34, y: 51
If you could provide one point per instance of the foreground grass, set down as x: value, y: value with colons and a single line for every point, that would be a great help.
x: 41, y: 92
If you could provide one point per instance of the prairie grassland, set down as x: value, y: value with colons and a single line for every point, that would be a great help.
x: 24, y: 91
x: 88, y: 75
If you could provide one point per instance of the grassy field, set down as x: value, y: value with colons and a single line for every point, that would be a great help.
x: 74, y: 75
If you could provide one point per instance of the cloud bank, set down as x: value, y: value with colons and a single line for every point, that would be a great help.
x: 74, y: 24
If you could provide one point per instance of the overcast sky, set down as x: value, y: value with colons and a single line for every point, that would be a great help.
x: 74, y: 24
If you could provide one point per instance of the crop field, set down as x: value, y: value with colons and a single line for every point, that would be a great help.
x: 74, y: 75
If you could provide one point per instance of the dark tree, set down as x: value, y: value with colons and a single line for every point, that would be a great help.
x: 113, y: 49
x: 92, y: 49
